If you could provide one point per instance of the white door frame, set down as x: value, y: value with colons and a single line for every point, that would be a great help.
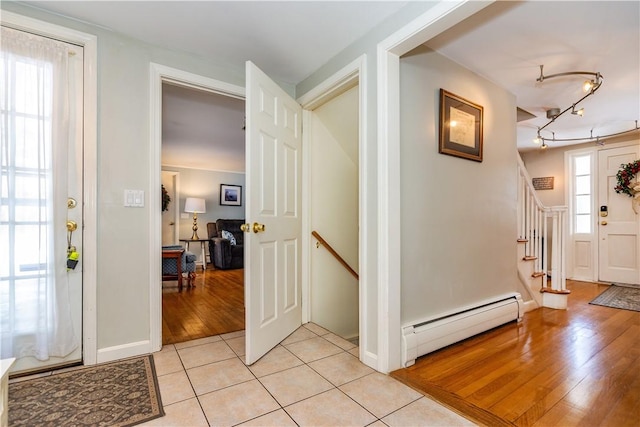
x: 433, y: 22
x: 352, y: 74
x: 159, y: 74
x: 90, y: 107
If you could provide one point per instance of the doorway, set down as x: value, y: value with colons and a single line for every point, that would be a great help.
x: 202, y: 150
x: 334, y: 214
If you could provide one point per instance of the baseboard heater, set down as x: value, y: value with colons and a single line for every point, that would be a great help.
x: 432, y: 334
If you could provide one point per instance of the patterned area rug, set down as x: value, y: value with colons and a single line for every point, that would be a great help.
x: 122, y: 393
x: 626, y: 297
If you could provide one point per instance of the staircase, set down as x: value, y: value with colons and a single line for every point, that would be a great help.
x: 542, y: 237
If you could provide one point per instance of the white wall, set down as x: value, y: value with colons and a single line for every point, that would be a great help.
x: 334, y: 213
x: 549, y: 162
x: 458, y: 216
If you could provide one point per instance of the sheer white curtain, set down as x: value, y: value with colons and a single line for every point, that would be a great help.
x: 35, y: 318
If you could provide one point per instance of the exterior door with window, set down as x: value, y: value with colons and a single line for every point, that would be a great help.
x: 40, y: 201
x: 273, y: 246
x: 618, y: 225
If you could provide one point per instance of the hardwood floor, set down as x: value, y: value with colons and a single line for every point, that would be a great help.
x: 214, y: 306
x: 574, y: 367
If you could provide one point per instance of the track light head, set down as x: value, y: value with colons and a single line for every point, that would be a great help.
x: 579, y: 112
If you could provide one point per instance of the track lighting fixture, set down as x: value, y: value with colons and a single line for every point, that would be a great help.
x: 590, y: 86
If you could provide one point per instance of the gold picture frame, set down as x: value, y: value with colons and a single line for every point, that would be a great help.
x: 460, y: 127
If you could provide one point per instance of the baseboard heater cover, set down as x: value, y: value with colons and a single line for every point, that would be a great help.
x: 429, y: 335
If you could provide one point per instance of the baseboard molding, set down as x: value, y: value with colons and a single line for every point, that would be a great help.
x: 529, y: 306
x: 109, y: 354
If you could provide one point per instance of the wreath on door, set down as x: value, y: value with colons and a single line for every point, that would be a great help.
x: 166, y: 199
x: 628, y: 183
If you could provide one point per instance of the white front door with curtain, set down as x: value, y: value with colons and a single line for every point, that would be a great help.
x: 40, y: 194
x: 618, y: 224
x: 273, y: 197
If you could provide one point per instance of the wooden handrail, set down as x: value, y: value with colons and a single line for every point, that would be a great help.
x: 335, y: 254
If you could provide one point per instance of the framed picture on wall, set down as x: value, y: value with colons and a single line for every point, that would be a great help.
x: 230, y: 195
x: 460, y: 127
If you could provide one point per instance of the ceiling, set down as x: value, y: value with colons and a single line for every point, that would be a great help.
x: 505, y: 43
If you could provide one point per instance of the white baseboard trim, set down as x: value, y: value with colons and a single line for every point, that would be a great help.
x: 109, y: 354
x: 529, y: 306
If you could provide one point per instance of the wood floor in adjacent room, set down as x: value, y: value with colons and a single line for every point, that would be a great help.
x: 214, y: 306
x: 574, y: 367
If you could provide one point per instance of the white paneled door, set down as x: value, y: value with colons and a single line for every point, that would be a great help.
x: 273, y: 217
x: 618, y: 224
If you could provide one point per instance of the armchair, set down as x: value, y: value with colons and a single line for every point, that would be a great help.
x: 171, y: 269
x: 226, y: 250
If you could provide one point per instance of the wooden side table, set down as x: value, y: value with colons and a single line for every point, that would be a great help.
x: 177, y: 255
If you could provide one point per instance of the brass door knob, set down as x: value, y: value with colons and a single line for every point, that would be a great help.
x: 245, y: 228
x: 257, y: 228
x: 72, y: 226
x: 604, y: 223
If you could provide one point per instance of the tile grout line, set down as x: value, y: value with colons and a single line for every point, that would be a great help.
x: 204, y: 414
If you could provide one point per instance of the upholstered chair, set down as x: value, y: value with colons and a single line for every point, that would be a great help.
x: 188, y: 265
x: 226, y: 243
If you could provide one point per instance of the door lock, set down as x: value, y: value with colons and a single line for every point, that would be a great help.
x: 72, y: 226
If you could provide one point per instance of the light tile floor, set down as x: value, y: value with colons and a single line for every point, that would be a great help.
x: 313, y: 378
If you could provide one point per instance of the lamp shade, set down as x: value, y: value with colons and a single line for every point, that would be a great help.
x: 194, y: 205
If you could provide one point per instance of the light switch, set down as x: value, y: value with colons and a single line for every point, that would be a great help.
x: 134, y: 198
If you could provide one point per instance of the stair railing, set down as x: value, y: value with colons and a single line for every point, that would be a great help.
x: 541, y: 244
x: 335, y: 254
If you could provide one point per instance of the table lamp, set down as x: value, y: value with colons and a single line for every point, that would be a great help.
x: 195, y: 206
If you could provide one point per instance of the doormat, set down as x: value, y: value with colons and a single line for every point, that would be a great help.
x: 122, y: 393
x: 626, y: 297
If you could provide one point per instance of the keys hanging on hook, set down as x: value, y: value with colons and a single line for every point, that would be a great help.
x: 72, y: 255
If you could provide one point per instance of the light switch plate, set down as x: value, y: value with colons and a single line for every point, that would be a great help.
x: 134, y: 198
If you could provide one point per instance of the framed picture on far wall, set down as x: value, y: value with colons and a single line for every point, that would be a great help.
x: 230, y: 195
x: 460, y: 127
